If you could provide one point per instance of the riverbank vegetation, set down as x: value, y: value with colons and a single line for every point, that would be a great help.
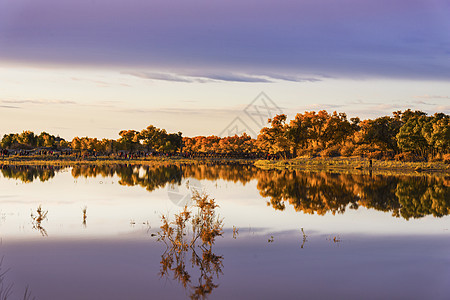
x: 408, y: 136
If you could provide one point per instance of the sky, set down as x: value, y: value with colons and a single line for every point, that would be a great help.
x: 93, y: 68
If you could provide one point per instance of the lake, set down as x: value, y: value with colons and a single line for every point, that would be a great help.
x: 93, y: 232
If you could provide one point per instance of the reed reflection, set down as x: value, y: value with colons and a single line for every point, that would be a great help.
x: 36, y: 220
x: 197, y: 243
x: 84, y: 217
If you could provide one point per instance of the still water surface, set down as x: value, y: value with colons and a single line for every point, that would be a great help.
x: 301, y: 235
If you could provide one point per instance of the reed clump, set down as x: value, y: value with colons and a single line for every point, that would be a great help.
x: 193, y: 231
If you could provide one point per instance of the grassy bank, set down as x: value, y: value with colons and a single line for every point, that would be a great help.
x: 104, y: 160
x: 347, y: 164
x: 354, y: 164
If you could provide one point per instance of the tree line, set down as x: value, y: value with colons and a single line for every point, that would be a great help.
x: 407, y: 135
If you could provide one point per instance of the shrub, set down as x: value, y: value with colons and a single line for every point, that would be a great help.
x: 363, y: 150
x: 375, y: 155
x: 408, y: 157
x: 330, y: 152
x: 347, y: 150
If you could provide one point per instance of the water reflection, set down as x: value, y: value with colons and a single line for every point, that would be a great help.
x: 304, y: 240
x: 180, y: 242
x: 84, y: 216
x: 405, y: 196
x: 29, y: 173
x: 36, y: 220
x: 308, y: 192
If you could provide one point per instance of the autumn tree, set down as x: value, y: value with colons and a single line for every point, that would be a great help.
x: 274, y: 139
x: 129, y: 139
x: 381, y: 132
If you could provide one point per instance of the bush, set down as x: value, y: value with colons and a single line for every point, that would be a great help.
x: 363, y: 150
x: 309, y: 152
x: 348, y: 150
x: 408, y: 157
x: 378, y: 154
x: 330, y: 152
x: 375, y: 155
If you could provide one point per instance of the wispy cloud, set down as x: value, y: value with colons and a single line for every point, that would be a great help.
x: 32, y: 101
x: 422, y: 102
x: 161, y: 76
x: 235, y: 78
x: 100, y: 83
x: 199, y: 78
x: 204, y: 77
x: 8, y: 106
x: 292, y: 78
x: 432, y: 97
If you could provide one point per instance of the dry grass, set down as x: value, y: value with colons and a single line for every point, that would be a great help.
x: 355, y: 164
x: 104, y: 160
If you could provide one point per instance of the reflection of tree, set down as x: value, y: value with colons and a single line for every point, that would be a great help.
x: 230, y: 172
x: 206, y: 226
x: 28, y: 173
x: 378, y: 192
x: 309, y: 192
x: 408, y: 196
x: 153, y: 177
x: 419, y: 197
x: 148, y: 177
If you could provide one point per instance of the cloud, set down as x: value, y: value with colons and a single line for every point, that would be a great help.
x: 422, y: 102
x: 432, y: 97
x: 45, y: 102
x: 8, y: 106
x: 200, y: 78
x: 350, y: 38
x: 293, y: 78
x: 235, y: 78
x: 100, y: 83
x: 160, y: 76
x: 218, y: 77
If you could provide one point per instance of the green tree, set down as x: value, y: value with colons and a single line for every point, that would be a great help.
x: 410, y: 136
x: 381, y: 132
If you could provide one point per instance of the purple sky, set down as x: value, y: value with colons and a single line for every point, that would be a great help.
x: 212, y: 39
x: 96, y: 67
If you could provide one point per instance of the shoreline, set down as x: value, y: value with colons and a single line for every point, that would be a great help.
x: 355, y: 164
x: 102, y: 160
x: 337, y: 164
